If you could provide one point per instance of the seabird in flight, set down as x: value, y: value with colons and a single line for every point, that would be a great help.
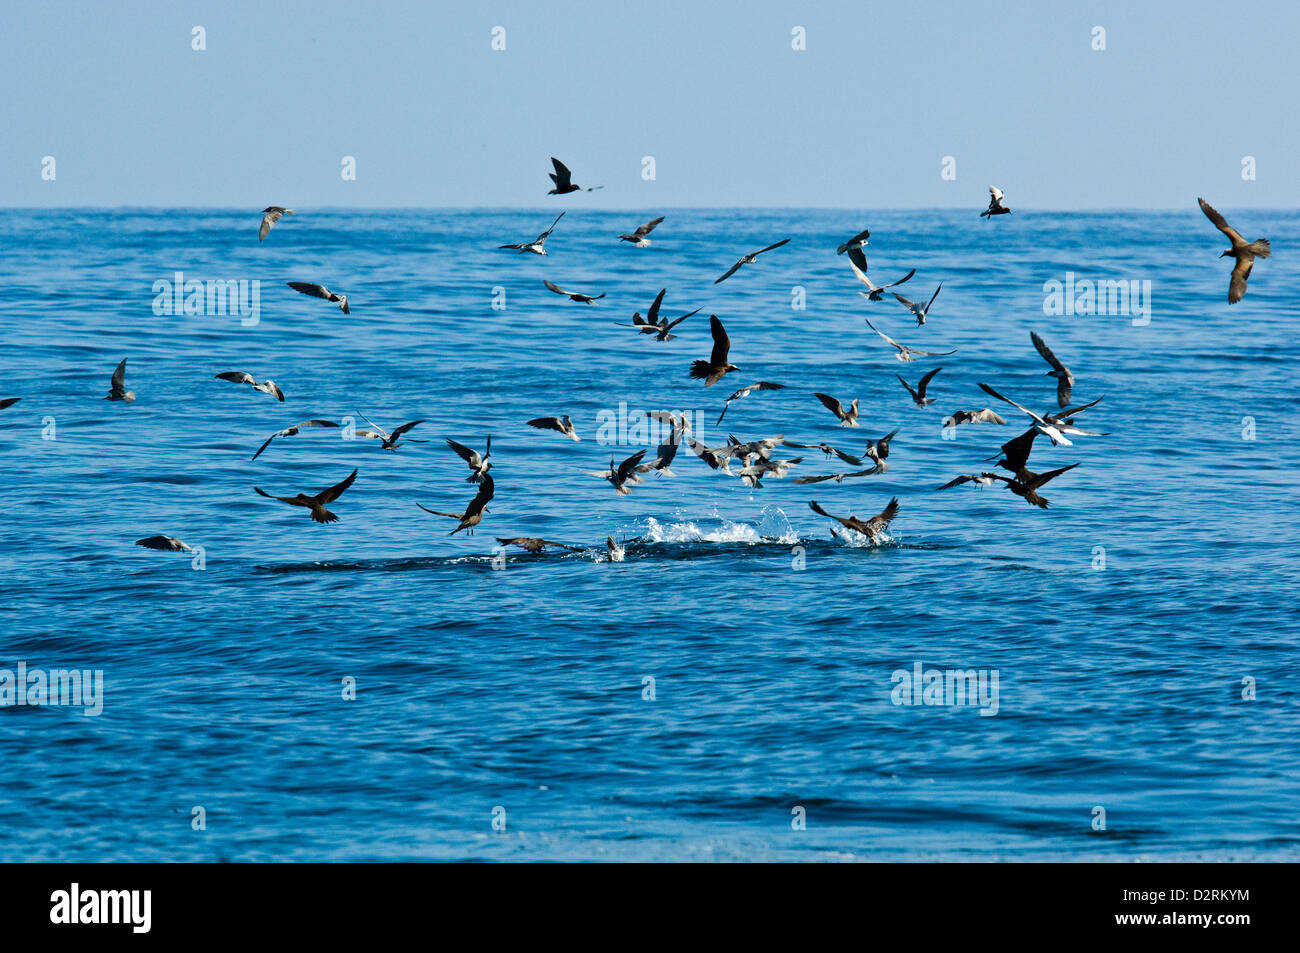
x: 848, y: 418
x: 563, y: 180
x: 478, y: 464
x: 904, y: 352
x: 1064, y: 379
x: 165, y: 543
x: 290, y: 431
x: 873, y: 528
x: 315, y: 503
x: 1243, y: 251
x: 623, y: 474
x: 856, y: 243
x: 858, y: 262
x: 985, y: 416
x: 827, y: 449
x: 748, y: 260
x: 117, y: 390
x: 243, y: 377
x: 712, y: 370
x: 562, y: 425
x: 535, y: 545
x: 918, y: 395
x: 837, y: 477
x: 388, y: 441
x: 752, y: 473
x: 651, y: 324
x: 538, y: 245
x: 918, y: 310
x: 270, y: 215
x: 745, y: 392
x: 638, y: 237
x: 473, y: 514
x: 878, y: 450
x: 1025, y: 488
x: 572, y: 295
x: 718, y: 458
x: 1015, y: 453
x: 996, y: 206
x: 320, y: 291
x: 1055, y: 426
x: 679, y: 427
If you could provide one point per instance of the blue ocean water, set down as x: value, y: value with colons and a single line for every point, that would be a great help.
x: 1125, y: 623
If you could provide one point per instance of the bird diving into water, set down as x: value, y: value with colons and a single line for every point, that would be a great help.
x: 1243, y: 251
x: 874, y: 529
x: 117, y: 389
x: 562, y: 425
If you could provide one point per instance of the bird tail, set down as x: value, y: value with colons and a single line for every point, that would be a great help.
x: 322, y: 515
x: 1260, y: 248
x: 700, y: 370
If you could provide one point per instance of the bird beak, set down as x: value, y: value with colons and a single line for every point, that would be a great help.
x: 1225, y: 254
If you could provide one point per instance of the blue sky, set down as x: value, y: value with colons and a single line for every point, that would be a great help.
x: 732, y: 115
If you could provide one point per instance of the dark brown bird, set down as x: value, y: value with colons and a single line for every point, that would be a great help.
x: 718, y: 365
x: 320, y: 291
x: 873, y: 528
x: 651, y: 323
x: 1025, y: 488
x: 117, y: 388
x: 562, y: 178
x: 165, y: 543
x: 638, y: 237
x: 918, y: 395
x: 535, y: 545
x: 562, y: 425
x: 878, y: 450
x: 1243, y: 251
x: 748, y: 260
x: 9, y: 402
x: 997, y: 204
x: 1064, y: 379
x: 473, y: 514
x: 572, y: 295
x: 1015, y: 454
x: 315, y: 503
x: 848, y: 418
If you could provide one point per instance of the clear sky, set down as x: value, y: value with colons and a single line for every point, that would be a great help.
x: 733, y: 116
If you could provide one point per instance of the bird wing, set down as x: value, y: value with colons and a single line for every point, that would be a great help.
x: 997, y: 195
x: 645, y: 230
x: 933, y: 296
x: 309, y: 288
x: 925, y: 381
x: 562, y: 176
x: 542, y: 237
x: 1240, y: 272
x: 397, y: 432
x: 957, y: 481
x: 831, y: 403
x: 556, y: 288
x: 847, y: 457
x: 119, y: 376
x: 817, y: 509
x: 237, y: 377
x: 1041, y: 478
x: 1221, y: 223
x: 858, y: 262
x: 669, y: 325
x: 165, y: 543
x: 903, y: 301
x: 1071, y: 411
x: 991, y: 392
x: 906, y: 277
x: 721, y: 343
x: 465, y: 453
x: 1046, y: 351
x: 770, y: 247
x: 283, y: 499
x: 653, y: 314
x: 334, y: 492
x: 915, y: 395
x: 626, y: 468
x: 987, y: 416
x: 730, y: 271
x: 880, y: 522
x: 544, y: 423
x: 455, y: 516
x: 882, y: 333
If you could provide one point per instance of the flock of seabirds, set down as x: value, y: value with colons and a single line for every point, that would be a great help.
x: 750, y: 461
